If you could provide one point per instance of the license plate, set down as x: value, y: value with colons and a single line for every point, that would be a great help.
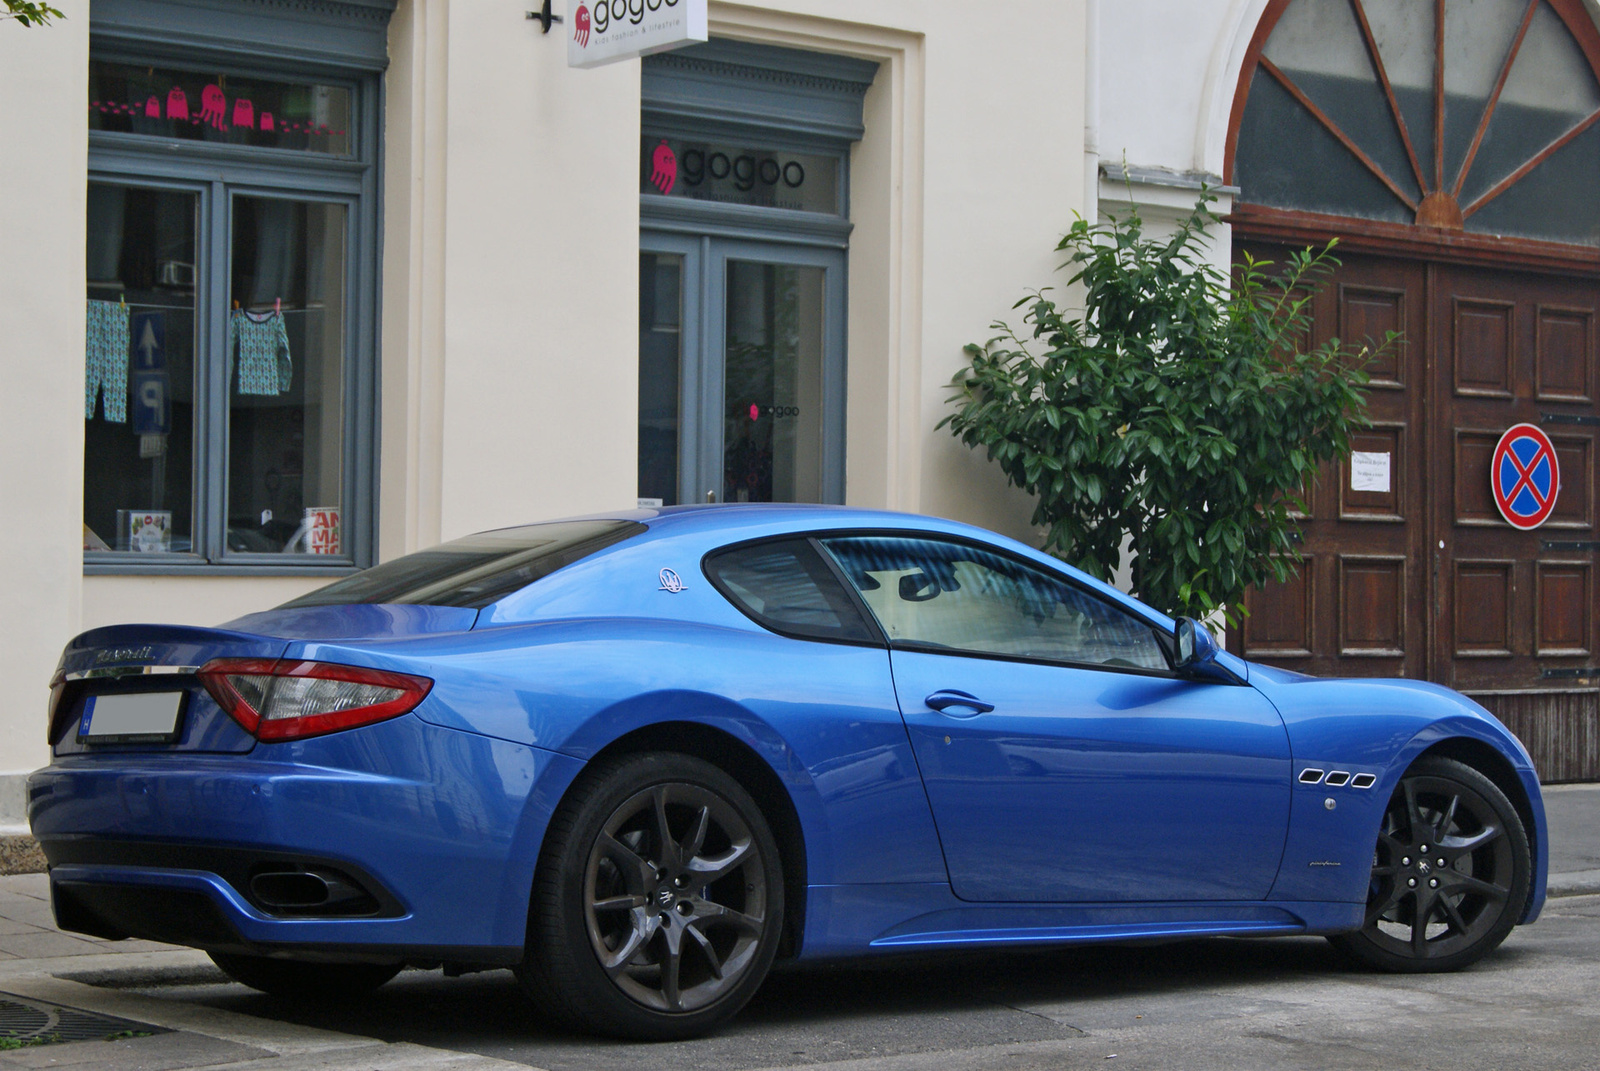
x: 151, y: 716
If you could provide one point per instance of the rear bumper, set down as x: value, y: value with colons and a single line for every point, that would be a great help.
x: 436, y: 830
x: 197, y: 908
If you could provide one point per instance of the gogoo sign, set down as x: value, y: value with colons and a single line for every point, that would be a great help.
x: 604, y: 31
x: 1524, y: 476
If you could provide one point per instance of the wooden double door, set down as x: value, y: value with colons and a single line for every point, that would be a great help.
x: 1408, y: 568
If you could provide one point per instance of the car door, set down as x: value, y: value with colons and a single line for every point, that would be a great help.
x: 1063, y: 759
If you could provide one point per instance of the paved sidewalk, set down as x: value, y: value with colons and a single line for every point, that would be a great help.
x: 1573, y: 813
x: 39, y: 963
x: 35, y: 957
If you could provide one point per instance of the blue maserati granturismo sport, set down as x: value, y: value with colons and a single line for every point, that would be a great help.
x: 637, y: 757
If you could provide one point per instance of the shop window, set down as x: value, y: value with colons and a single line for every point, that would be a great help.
x: 744, y: 228
x: 230, y: 379
x: 213, y: 107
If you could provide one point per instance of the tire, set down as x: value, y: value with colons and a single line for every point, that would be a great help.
x: 303, y: 980
x: 1450, y: 873
x: 657, y: 903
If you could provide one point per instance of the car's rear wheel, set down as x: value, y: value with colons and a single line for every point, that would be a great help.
x: 1450, y: 873
x: 658, y: 902
x: 303, y: 980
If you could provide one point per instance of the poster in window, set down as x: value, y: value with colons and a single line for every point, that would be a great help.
x: 148, y: 531
x: 321, y: 524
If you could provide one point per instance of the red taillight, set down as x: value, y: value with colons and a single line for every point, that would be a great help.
x: 55, y: 712
x: 285, y: 700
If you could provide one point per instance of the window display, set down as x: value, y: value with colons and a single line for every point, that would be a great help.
x: 228, y: 297
x: 286, y: 345
x: 139, y: 342
x: 234, y: 110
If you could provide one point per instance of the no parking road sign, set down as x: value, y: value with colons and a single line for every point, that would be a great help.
x: 1524, y: 476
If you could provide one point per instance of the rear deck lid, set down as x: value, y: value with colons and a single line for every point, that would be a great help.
x: 133, y: 688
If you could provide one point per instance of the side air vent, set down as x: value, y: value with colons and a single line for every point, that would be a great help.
x: 1363, y: 780
x: 1337, y: 778
x: 1310, y: 777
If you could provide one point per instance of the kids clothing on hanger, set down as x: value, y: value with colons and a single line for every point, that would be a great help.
x: 262, y: 346
x: 106, y: 361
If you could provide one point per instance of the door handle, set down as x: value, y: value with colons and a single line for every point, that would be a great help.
x: 945, y: 698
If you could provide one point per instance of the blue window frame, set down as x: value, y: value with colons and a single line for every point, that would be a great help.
x: 744, y: 209
x: 233, y: 231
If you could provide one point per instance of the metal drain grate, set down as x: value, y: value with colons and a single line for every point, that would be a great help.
x: 33, y: 1022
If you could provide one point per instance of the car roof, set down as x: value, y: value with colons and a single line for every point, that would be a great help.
x: 696, y: 530
x: 776, y: 517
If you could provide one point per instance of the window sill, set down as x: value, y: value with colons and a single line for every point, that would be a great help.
x: 177, y: 566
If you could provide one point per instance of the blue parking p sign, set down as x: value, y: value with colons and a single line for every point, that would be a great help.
x: 152, y: 407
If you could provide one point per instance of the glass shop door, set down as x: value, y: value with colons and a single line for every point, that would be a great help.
x: 741, y: 371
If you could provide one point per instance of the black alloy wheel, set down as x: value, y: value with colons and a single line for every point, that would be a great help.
x: 302, y: 980
x: 1450, y: 873
x: 658, y: 902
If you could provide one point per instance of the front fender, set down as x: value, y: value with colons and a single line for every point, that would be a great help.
x: 1381, y: 728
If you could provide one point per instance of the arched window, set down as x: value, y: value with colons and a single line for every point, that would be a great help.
x: 1474, y: 115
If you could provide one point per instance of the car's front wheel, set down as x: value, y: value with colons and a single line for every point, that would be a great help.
x: 1450, y: 873
x: 658, y: 902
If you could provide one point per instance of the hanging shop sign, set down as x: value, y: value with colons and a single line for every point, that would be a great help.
x: 604, y: 31
x: 1524, y: 476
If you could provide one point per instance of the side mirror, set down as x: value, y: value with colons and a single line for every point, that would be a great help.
x: 1196, y: 651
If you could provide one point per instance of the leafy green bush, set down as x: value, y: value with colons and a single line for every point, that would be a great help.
x: 28, y: 13
x: 1176, y: 412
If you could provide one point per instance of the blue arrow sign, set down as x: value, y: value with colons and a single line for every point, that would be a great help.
x: 149, y: 333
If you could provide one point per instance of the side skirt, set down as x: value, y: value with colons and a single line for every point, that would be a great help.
x: 851, y: 920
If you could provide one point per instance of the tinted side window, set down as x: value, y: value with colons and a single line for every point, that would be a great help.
x: 786, y: 587
x: 475, y: 571
x: 949, y: 595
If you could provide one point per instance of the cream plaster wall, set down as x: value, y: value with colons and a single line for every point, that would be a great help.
x: 1166, y: 76
x: 511, y: 250
x: 969, y: 171
x: 44, y: 91
x: 511, y: 277
x: 1158, y: 62
x: 184, y: 600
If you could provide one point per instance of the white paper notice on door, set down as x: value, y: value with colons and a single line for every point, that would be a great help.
x: 1369, y: 471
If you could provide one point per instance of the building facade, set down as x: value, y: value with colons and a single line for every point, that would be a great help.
x: 365, y: 275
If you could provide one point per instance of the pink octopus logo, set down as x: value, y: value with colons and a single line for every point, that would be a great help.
x: 580, y: 26
x: 213, y: 107
x: 663, y: 168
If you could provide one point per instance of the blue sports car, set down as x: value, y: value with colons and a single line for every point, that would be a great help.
x: 639, y: 756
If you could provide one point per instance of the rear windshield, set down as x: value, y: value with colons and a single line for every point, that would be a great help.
x: 475, y: 571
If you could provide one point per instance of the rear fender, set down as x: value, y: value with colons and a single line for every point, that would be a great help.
x: 737, y: 722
